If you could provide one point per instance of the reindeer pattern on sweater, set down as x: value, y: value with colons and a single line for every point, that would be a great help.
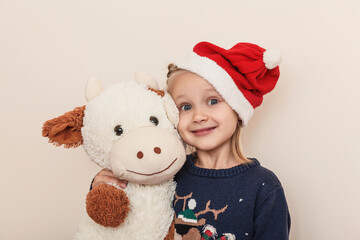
x: 244, y: 202
x: 187, y: 221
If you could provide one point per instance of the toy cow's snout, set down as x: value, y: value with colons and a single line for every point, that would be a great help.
x: 148, y: 154
x: 140, y: 154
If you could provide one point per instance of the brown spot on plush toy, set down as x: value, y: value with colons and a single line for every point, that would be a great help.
x: 110, y: 211
x: 171, y: 233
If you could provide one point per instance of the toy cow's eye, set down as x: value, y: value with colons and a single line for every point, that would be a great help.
x: 154, y: 120
x: 118, y: 130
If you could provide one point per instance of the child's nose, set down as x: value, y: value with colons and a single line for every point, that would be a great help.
x: 200, y: 116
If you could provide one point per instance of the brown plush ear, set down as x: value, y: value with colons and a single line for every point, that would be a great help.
x: 66, y: 129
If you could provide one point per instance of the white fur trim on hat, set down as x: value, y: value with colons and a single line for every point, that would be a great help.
x: 221, y: 81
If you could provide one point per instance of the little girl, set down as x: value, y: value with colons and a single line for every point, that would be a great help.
x: 220, y: 193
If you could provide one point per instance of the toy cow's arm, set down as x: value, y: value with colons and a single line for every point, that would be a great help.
x: 107, y: 205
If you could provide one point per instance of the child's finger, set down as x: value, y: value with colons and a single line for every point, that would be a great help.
x: 123, y: 183
x: 117, y: 182
x: 106, y: 176
x: 105, y: 172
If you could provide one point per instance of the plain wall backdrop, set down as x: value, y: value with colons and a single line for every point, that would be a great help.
x: 306, y: 130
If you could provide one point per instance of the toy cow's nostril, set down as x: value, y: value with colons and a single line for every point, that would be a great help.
x: 157, y: 150
x: 140, y: 155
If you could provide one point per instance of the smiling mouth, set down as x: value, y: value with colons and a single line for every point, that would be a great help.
x: 203, y: 130
x: 150, y: 174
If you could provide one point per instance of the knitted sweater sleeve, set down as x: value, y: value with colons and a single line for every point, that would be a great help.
x: 272, y: 219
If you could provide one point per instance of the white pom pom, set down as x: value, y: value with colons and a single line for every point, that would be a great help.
x: 230, y: 236
x: 272, y: 58
x: 192, y: 204
x: 211, y: 229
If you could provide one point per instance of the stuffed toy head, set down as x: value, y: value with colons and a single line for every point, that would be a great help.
x: 128, y: 128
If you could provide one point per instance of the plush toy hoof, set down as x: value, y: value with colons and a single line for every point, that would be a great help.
x: 107, y: 205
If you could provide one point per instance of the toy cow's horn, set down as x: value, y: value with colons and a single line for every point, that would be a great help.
x: 93, y: 89
x: 142, y: 77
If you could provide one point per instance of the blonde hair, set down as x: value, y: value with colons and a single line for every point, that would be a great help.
x: 236, y: 145
x: 173, y: 71
x: 236, y: 148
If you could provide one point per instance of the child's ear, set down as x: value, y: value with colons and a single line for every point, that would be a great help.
x: 66, y: 129
x: 171, y: 109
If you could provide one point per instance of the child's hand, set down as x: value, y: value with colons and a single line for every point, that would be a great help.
x: 106, y: 176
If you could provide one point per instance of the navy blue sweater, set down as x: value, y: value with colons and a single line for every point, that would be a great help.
x: 243, y: 202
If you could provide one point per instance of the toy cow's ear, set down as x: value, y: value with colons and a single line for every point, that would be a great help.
x: 93, y: 89
x: 66, y: 129
x: 147, y: 79
x: 171, y: 110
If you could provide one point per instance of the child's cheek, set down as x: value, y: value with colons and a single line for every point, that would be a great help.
x: 182, y: 124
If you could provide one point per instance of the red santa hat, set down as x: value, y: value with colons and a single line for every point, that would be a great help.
x: 242, y: 74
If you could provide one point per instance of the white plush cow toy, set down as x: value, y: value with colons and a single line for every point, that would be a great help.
x: 128, y: 129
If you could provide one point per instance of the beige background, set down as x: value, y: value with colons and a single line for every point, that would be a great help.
x: 306, y: 131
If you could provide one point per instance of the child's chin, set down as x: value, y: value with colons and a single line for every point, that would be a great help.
x: 204, y: 147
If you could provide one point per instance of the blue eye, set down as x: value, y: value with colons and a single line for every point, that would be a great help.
x: 213, y: 101
x: 185, y: 107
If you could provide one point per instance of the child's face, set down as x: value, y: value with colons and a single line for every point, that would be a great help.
x: 206, y: 120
